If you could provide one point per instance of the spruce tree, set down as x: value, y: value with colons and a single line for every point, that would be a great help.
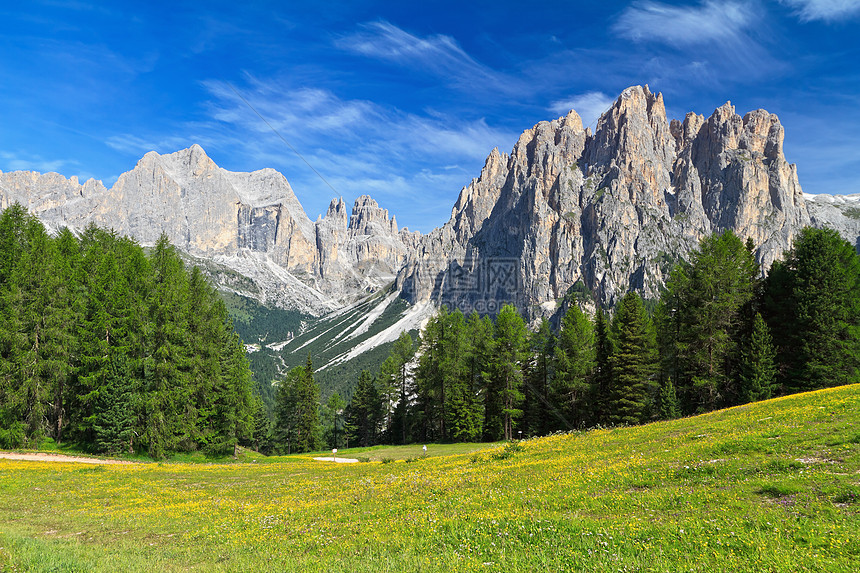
x: 706, y: 304
x: 575, y: 364
x: 401, y: 355
x: 505, y: 376
x: 297, y: 411
x: 333, y: 421
x: 540, y: 414
x: 365, y: 412
x: 602, y: 378
x: 634, y: 363
x: 813, y: 306
x: 669, y: 407
x: 758, y: 371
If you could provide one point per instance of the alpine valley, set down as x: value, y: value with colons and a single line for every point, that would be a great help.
x: 568, y: 215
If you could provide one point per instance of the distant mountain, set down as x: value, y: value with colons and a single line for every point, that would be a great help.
x: 569, y: 213
x: 251, y: 223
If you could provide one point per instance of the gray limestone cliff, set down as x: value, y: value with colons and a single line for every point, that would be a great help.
x: 839, y: 212
x: 250, y: 222
x: 605, y: 212
x: 568, y: 213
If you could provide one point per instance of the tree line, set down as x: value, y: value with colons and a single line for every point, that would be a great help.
x: 720, y: 335
x: 113, y: 348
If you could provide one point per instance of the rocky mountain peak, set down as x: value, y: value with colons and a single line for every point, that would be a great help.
x: 610, y: 211
x: 369, y: 219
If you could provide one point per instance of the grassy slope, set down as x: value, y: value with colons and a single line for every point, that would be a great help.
x: 327, y: 339
x: 772, y: 486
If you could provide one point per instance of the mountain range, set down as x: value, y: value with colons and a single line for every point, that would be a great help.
x: 569, y: 212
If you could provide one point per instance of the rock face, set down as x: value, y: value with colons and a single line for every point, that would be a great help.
x: 569, y: 210
x: 251, y: 222
x: 839, y: 212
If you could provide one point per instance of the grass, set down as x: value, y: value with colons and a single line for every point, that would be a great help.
x: 409, y: 452
x: 771, y: 486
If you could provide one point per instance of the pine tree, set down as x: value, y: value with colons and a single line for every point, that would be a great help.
x: 602, y: 378
x: 505, y: 375
x: 575, y: 364
x: 758, y: 372
x: 634, y: 362
x: 706, y: 306
x: 812, y: 302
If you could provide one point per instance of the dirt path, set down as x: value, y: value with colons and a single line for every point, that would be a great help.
x: 338, y: 460
x: 41, y: 457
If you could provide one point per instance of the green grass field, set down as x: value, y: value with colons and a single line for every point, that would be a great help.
x: 772, y: 486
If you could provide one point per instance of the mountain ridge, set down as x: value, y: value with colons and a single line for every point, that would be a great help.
x: 568, y: 209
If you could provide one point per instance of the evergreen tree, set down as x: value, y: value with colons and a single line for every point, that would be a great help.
x: 401, y: 356
x: 505, y: 375
x: 169, y: 414
x: 706, y: 306
x: 262, y: 426
x: 602, y: 378
x: 669, y: 407
x: 444, y: 392
x: 297, y: 411
x: 758, y: 372
x: 634, y: 362
x: 365, y: 412
x: 575, y: 364
x: 540, y: 415
x: 101, y: 344
x: 332, y: 421
x: 229, y: 405
x: 813, y: 308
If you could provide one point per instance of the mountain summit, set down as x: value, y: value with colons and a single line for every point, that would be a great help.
x: 567, y: 212
x: 608, y: 211
x: 250, y: 222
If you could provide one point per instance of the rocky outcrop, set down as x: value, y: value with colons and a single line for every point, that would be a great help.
x: 606, y: 212
x: 839, y: 212
x: 568, y: 213
x: 251, y: 222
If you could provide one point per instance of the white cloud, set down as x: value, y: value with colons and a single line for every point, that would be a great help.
x: 589, y: 106
x: 26, y: 162
x: 439, y: 54
x: 136, y: 145
x: 313, y: 118
x: 826, y: 10
x: 683, y: 26
x: 402, y: 159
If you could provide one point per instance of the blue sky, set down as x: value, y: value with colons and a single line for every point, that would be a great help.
x: 404, y: 100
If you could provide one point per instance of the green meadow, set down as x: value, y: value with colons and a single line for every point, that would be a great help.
x: 770, y: 486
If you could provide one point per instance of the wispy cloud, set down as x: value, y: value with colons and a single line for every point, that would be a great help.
x: 314, y: 117
x: 711, y: 43
x: 683, y: 26
x: 13, y: 161
x: 589, y: 106
x: 134, y: 144
x: 403, y: 159
x: 824, y: 10
x: 439, y: 54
